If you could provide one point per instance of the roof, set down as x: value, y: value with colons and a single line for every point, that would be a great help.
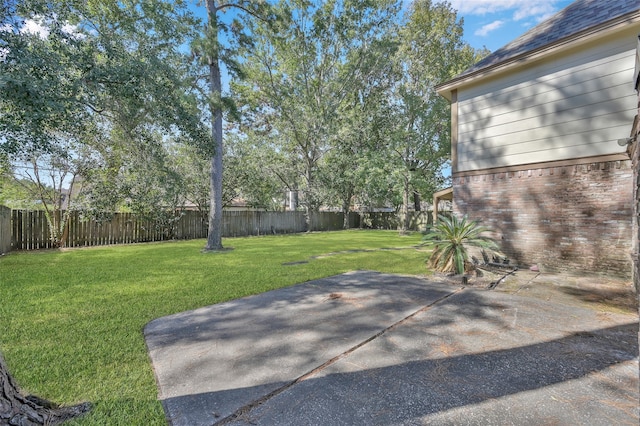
x: 579, y: 18
x: 444, y: 194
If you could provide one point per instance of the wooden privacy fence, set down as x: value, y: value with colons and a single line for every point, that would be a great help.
x: 418, y: 221
x: 28, y: 229
x: 242, y: 224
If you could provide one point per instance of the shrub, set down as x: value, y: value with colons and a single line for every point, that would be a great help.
x: 448, y: 237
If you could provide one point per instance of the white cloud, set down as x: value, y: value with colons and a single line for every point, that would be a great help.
x: 541, y: 18
x: 486, y: 29
x: 36, y: 28
x: 72, y: 31
x: 483, y: 7
x: 521, y: 9
x: 540, y: 11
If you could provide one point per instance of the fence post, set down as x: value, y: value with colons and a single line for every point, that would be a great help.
x: 5, y: 229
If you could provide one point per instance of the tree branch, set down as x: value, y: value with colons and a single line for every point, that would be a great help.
x: 241, y: 7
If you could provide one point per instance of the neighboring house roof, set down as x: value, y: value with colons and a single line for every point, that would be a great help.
x: 573, y: 23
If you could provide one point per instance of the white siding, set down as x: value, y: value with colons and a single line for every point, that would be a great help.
x: 566, y: 107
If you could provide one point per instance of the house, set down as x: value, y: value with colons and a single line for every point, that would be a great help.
x: 538, y: 139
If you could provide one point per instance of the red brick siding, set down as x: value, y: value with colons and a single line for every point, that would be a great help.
x: 634, y: 150
x: 570, y: 218
x: 634, y: 153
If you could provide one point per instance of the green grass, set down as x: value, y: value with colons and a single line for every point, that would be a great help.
x: 71, y: 321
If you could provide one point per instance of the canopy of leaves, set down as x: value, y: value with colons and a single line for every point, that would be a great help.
x: 332, y: 98
x: 303, y: 71
x: 100, y: 81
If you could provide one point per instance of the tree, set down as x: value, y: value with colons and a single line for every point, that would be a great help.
x: 43, y: 177
x: 100, y: 76
x: 431, y: 51
x: 154, y: 189
x: 16, y: 193
x: 19, y: 409
x: 79, y: 68
x: 93, y: 74
x: 348, y: 170
x: 259, y: 173
x: 246, y: 174
x: 303, y: 72
x: 213, y: 52
x: 38, y: 81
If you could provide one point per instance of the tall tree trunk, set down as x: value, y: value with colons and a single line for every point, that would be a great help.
x: 346, y: 203
x: 309, y: 199
x: 214, y: 237
x: 17, y: 409
x: 404, y: 225
x: 416, y: 201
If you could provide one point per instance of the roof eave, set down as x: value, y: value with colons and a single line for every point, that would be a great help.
x: 582, y: 37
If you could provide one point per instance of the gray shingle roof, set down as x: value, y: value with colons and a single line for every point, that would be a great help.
x: 579, y: 16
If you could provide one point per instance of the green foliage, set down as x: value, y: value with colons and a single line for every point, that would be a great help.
x: 308, y: 72
x: 347, y: 89
x: 256, y: 171
x: 39, y: 84
x: 94, y: 66
x: 72, y: 320
x: 448, y: 237
x: 335, y: 99
x: 348, y: 171
x: 431, y: 51
x: 94, y: 95
x: 18, y: 193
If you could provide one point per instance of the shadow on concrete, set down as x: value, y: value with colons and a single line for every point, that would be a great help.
x: 410, y: 391
x: 261, y: 341
x: 618, y: 298
x: 371, y: 348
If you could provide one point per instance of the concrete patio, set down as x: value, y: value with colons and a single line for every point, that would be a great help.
x: 370, y: 348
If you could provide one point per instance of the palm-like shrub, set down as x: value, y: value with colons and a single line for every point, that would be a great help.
x: 448, y: 237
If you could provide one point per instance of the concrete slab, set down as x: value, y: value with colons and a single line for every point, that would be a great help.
x: 213, y: 361
x: 337, y: 351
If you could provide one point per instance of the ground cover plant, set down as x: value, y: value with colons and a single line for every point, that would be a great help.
x: 71, y: 321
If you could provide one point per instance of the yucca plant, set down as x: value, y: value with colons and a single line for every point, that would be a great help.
x: 448, y: 237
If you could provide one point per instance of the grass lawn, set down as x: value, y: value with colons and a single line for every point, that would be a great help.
x: 71, y: 321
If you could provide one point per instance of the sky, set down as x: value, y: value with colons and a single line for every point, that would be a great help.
x: 494, y: 23
x: 487, y: 23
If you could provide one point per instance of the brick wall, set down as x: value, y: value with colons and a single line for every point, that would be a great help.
x: 634, y: 152
x: 574, y: 218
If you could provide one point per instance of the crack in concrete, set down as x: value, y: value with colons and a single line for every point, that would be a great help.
x: 242, y: 411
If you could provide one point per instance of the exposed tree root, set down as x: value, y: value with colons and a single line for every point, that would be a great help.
x: 20, y: 410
